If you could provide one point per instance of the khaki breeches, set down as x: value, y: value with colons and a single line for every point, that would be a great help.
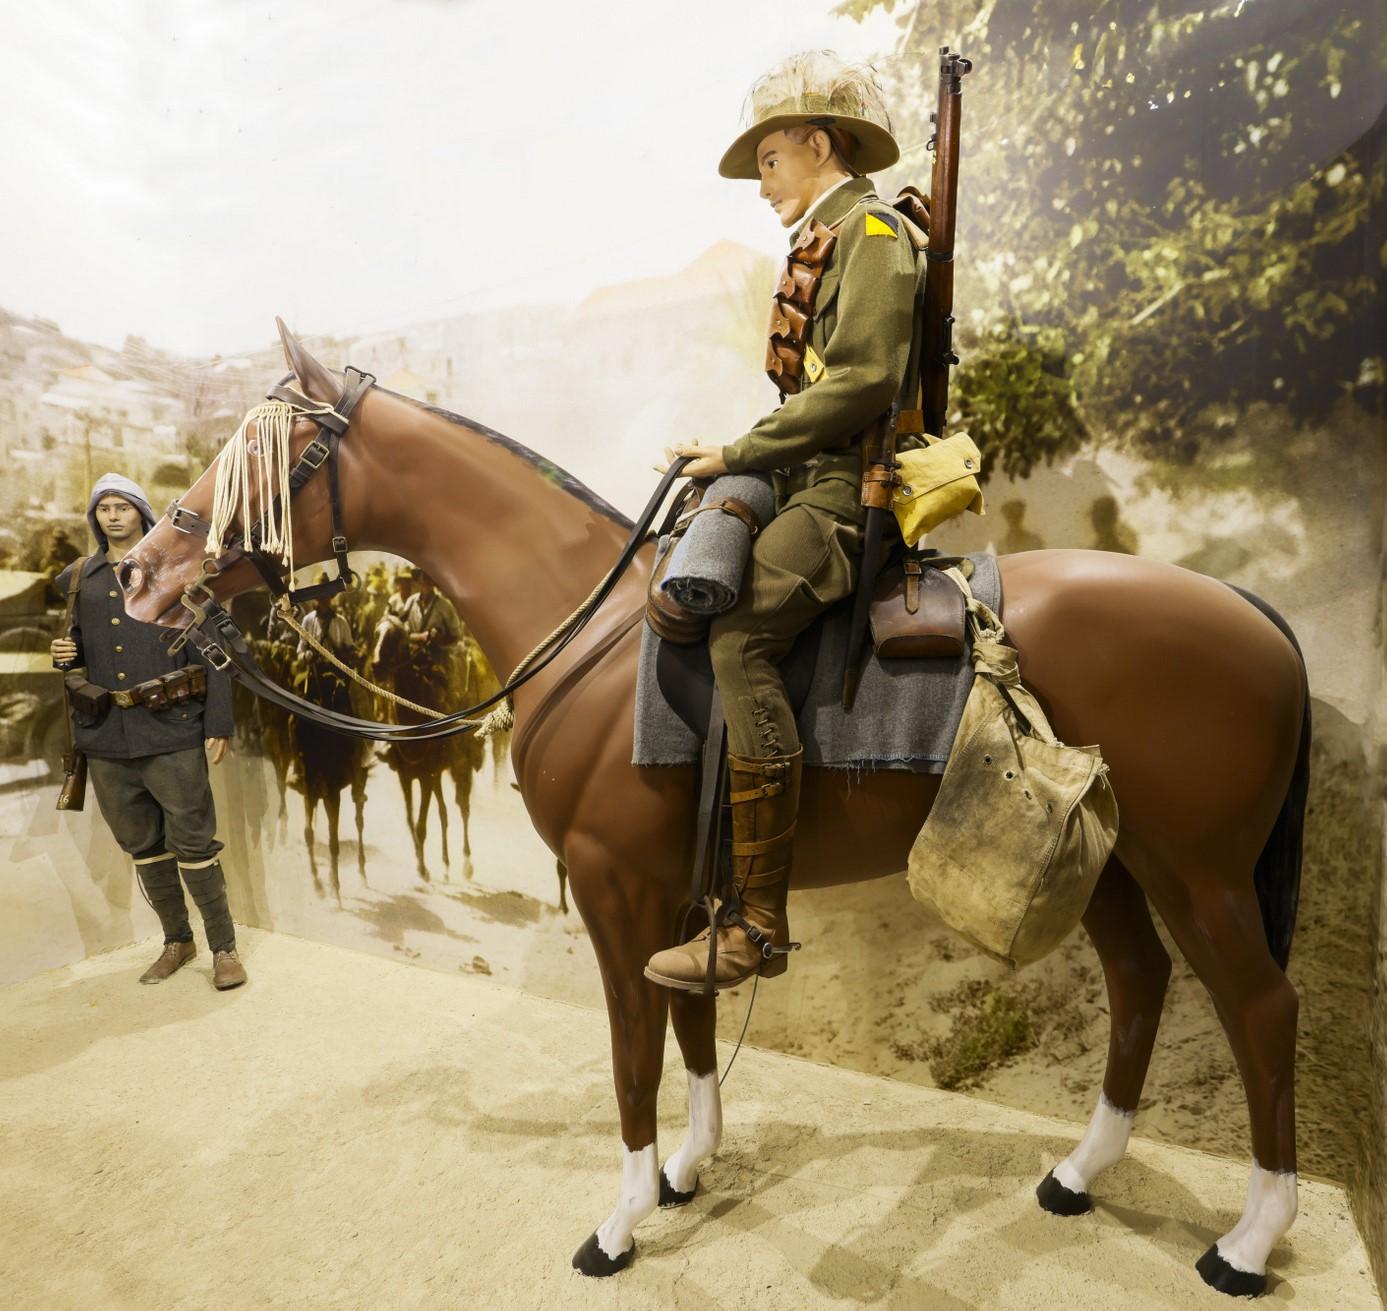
x: 803, y: 562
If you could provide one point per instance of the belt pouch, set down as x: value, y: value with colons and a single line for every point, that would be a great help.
x: 88, y: 700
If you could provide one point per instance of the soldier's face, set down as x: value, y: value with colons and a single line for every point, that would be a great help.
x: 119, y: 520
x: 793, y: 176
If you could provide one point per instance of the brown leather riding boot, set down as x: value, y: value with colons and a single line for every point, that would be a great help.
x: 752, y: 930
x: 227, y: 970
x: 172, y: 959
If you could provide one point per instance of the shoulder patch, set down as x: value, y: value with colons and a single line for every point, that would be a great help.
x: 880, y: 225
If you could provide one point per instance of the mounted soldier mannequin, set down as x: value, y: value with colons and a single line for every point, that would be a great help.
x: 841, y: 355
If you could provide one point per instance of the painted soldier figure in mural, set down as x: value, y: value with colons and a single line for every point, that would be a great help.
x: 818, y: 126
x: 433, y: 626
x: 400, y: 596
x: 147, y: 721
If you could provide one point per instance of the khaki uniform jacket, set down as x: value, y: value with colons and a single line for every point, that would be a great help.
x: 864, y: 317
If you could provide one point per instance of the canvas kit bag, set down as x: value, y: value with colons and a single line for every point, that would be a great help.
x: 1022, y: 825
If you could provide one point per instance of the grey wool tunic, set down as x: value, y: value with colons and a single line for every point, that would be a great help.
x: 120, y: 652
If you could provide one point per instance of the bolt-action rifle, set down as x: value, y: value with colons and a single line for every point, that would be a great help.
x: 936, y: 328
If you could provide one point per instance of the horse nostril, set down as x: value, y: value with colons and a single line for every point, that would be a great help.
x: 128, y: 575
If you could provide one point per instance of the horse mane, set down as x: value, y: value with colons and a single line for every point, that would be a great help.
x: 546, y: 468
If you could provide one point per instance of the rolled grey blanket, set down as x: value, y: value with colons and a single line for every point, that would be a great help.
x: 709, y: 561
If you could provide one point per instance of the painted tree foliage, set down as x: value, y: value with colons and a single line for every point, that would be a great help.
x: 1171, y: 215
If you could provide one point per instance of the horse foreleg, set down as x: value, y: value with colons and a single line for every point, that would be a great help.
x: 359, y: 801
x: 1136, y: 968
x: 695, y: 1024
x: 628, y: 920
x: 563, y: 886
x: 1222, y: 936
x: 462, y: 788
x: 309, y: 804
x: 332, y: 803
x: 442, y: 816
x: 413, y: 828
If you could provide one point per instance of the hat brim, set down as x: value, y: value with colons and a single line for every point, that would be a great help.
x: 876, y: 147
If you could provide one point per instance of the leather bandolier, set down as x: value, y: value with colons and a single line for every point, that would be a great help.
x: 792, y: 307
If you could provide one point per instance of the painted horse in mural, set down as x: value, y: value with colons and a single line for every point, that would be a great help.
x: 394, y: 662
x: 1196, y: 692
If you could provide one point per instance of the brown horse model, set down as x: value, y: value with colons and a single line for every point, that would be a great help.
x: 1197, y: 697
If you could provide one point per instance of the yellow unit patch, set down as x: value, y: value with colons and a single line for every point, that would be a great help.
x: 813, y: 365
x: 877, y: 228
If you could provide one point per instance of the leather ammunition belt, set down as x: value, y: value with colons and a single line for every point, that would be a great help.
x: 172, y: 689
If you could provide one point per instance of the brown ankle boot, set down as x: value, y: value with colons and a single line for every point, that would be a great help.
x: 752, y: 932
x: 227, y: 970
x: 172, y: 959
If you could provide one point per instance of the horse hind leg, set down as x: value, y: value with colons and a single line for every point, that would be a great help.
x: 695, y: 1024
x: 1136, y: 968
x: 1220, y: 931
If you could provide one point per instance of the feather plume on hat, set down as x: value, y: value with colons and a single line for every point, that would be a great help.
x: 819, y: 88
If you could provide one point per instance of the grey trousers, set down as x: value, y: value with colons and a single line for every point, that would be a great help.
x: 160, y: 811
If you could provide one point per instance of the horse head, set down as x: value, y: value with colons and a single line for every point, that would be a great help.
x: 390, y: 648
x: 173, y: 555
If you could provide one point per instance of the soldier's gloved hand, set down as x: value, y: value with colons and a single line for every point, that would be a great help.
x: 707, y: 460
x: 63, y: 650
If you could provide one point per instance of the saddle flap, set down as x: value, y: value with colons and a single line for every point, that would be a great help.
x: 917, y: 613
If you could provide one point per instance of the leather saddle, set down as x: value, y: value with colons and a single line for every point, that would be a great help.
x: 916, y: 613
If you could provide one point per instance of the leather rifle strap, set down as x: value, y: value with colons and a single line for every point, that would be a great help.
x: 73, y: 586
x: 704, y: 880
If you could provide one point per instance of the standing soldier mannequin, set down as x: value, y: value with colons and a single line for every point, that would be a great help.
x: 145, y: 743
x: 817, y: 126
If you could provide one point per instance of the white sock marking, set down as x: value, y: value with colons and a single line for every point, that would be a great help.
x: 1270, y: 1210
x: 705, y: 1132
x: 1103, y: 1144
x: 640, y: 1194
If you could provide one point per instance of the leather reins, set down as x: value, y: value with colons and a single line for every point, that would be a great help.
x: 221, y: 643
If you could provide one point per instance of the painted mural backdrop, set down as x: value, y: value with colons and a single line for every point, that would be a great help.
x: 1170, y: 259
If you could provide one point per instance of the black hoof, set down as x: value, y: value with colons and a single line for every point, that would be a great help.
x: 590, y: 1259
x: 1218, y: 1274
x: 1059, y: 1200
x: 671, y: 1196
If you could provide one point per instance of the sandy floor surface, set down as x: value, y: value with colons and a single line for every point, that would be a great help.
x: 350, y: 1132
x: 881, y: 981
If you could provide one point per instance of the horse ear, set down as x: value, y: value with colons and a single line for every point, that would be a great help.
x: 314, y: 380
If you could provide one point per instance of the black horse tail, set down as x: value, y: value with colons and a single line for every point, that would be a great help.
x: 1277, y: 877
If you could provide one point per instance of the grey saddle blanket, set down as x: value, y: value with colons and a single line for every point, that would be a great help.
x: 904, y: 718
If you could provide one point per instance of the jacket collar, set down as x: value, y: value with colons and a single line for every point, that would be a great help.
x: 835, y: 207
x: 94, y: 562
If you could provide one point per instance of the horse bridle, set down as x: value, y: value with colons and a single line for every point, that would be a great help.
x: 332, y: 424
x: 220, y: 642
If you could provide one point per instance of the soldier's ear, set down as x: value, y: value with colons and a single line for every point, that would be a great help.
x: 314, y: 380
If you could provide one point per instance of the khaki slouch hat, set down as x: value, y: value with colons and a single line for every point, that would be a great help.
x: 819, y: 89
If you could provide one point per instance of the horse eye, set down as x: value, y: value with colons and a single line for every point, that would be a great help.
x: 253, y: 446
